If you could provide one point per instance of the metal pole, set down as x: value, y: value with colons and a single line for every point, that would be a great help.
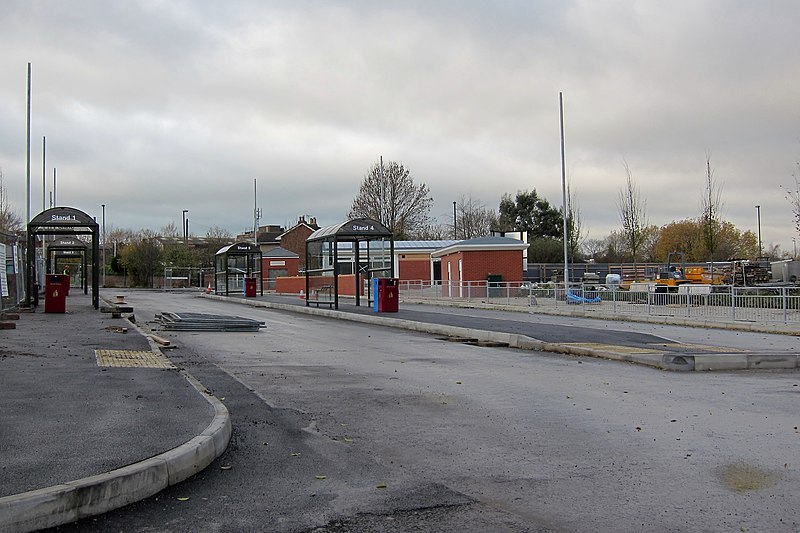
x: 758, y: 211
x: 455, y: 233
x: 54, y: 188
x: 185, y: 233
x: 28, y: 163
x: 104, y: 244
x: 255, y: 211
x: 44, y: 172
x: 563, y: 189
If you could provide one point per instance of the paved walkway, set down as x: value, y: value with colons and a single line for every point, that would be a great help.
x: 80, y: 398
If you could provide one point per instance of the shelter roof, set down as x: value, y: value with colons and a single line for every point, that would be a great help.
x: 67, y: 242
x: 60, y: 220
x: 239, y: 248
x: 355, y: 229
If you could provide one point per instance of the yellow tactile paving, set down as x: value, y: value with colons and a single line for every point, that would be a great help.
x: 132, y: 359
x: 614, y: 348
x: 699, y: 347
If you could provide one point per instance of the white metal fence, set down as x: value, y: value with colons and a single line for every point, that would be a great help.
x: 780, y: 304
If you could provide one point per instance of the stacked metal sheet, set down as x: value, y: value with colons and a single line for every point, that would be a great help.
x: 205, y: 322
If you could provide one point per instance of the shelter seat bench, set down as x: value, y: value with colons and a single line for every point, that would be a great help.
x: 322, y: 295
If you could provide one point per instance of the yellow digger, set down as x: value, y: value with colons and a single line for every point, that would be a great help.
x: 672, y: 276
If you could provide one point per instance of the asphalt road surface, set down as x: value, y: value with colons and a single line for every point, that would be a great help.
x: 348, y: 427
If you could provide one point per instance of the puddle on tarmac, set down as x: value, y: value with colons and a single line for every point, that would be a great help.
x: 741, y: 477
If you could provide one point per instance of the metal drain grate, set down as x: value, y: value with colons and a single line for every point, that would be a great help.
x: 132, y: 359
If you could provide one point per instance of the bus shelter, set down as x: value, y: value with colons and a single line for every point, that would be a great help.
x: 366, y: 240
x: 62, y: 221
x: 68, y: 254
x: 234, y: 265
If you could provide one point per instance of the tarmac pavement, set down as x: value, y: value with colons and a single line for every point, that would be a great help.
x: 631, y: 347
x: 92, y: 418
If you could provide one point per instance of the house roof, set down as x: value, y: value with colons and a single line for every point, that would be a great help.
x: 481, y: 244
x: 280, y: 252
x: 422, y: 245
x: 298, y: 225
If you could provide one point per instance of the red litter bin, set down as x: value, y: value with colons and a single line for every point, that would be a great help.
x: 250, y: 287
x: 55, y: 297
x: 387, y: 295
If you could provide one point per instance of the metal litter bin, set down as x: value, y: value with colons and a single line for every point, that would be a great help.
x: 55, y: 297
x: 250, y: 287
x: 386, y: 295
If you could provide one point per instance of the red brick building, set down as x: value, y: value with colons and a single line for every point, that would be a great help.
x: 294, y: 239
x: 477, y: 259
x: 277, y: 263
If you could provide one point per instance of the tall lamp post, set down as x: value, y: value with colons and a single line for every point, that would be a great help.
x: 185, y: 227
x: 758, y: 214
x: 455, y: 233
x: 104, y: 244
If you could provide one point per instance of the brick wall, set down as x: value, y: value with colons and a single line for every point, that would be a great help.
x: 295, y: 284
x: 414, y: 267
x: 477, y: 265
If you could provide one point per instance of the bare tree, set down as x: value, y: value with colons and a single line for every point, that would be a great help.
x: 473, y: 219
x: 794, y: 196
x: 593, y: 248
x: 575, y: 232
x: 216, y: 238
x: 389, y: 195
x: 710, y: 221
x: 10, y: 222
x: 170, y: 230
x: 632, y: 213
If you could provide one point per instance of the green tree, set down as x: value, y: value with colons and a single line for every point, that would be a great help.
x: 142, y: 258
x: 529, y: 212
x: 389, y: 195
x: 545, y: 250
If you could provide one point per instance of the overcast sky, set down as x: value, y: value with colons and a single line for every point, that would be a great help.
x: 152, y: 107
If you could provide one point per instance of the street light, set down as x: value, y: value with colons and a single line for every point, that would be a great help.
x: 104, y: 244
x: 454, y: 222
x: 758, y: 212
x: 185, y: 227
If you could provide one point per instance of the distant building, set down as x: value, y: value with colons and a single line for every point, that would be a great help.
x: 274, y: 236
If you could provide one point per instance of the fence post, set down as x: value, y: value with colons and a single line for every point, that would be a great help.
x: 733, y: 302
x: 783, y: 301
x: 649, y: 296
x: 688, y: 302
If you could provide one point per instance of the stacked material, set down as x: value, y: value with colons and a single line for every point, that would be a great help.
x: 206, y: 322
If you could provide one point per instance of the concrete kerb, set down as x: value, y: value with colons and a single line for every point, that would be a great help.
x: 68, y: 502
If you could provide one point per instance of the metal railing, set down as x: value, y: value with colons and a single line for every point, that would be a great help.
x: 779, y: 304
